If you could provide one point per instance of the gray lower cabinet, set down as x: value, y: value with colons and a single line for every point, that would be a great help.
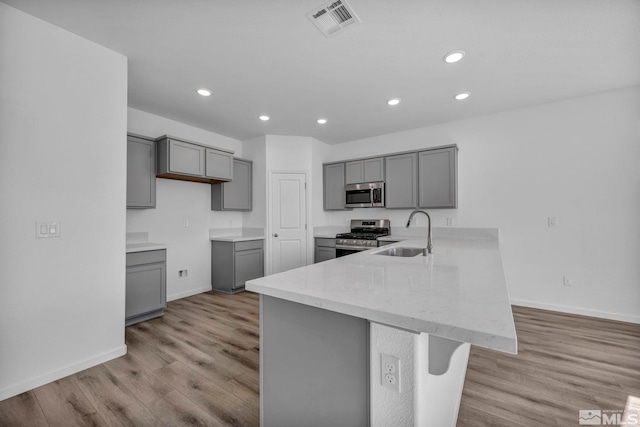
x: 367, y: 170
x: 235, y: 195
x: 146, y: 285
x: 333, y: 181
x: 325, y: 249
x: 189, y: 161
x: 437, y: 178
x: 401, y: 184
x: 233, y: 263
x: 141, y: 172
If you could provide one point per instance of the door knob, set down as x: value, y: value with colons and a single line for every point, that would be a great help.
x: 275, y: 234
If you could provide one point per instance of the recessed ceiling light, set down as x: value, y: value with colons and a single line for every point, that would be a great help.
x: 461, y: 96
x: 264, y: 118
x: 454, y: 56
x: 394, y: 101
x: 204, y: 92
x: 321, y: 121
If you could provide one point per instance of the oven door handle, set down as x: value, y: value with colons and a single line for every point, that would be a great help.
x: 354, y: 248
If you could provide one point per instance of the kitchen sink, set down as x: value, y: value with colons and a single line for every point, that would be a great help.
x: 401, y: 251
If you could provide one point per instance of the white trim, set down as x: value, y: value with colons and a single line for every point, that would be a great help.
x: 61, y: 373
x: 188, y: 293
x: 621, y: 317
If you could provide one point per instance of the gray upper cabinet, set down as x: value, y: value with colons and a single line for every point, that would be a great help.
x: 354, y: 172
x: 185, y: 158
x: 141, y: 172
x: 189, y: 161
x: 235, y: 195
x: 401, y: 187
x: 374, y: 170
x: 333, y: 177
x: 368, y: 170
x: 438, y: 178
x: 219, y: 165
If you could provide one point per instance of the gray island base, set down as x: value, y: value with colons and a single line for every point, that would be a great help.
x: 332, y: 331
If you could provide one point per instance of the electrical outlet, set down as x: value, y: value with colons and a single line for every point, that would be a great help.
x: 185, y: 223
x: 183, y: 274
x: 450, y: 222
x: 390, y: 372
x: 552, y: 221
x: 567, y: 281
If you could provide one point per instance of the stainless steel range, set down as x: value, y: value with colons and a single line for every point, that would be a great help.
x: 364, y: 234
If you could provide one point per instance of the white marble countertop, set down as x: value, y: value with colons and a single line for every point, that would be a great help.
x: 138, y: 241
x: 458, y: 292
x: 146, y: 246
x: 236, y: 234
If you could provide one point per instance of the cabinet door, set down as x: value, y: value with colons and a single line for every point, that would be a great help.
x: 141, y: 173
x: 146, y: 289
x: 354, y: 172
x: 334, y: 196
x: 219, y: 165
x: 401, y: 189
x: 374, y: 170
x: 438, y: 178
x: 235, y: 195
x: 248, y: 265
x: 186, y: 158
x: 324, y: 253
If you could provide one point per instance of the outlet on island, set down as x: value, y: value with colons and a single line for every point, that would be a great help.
x: 183, y: 274
x: 390, y: 372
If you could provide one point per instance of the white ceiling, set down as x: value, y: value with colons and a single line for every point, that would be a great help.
x: 265, y: 57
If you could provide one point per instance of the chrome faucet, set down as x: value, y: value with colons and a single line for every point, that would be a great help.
x: 429, y: 244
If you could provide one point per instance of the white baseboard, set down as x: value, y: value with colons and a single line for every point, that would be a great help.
x: 188, y: 293
x: 61, y: 373
x: 622, y: 317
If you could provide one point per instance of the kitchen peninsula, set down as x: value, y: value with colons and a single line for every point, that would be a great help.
x: 327, y: 331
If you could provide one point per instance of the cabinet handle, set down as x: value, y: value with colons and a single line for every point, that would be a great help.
x: 275, y: 234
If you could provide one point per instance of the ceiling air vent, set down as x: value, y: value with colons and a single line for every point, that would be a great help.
x: 333, y: 17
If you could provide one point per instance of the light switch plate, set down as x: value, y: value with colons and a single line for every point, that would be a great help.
x: 46, y: 229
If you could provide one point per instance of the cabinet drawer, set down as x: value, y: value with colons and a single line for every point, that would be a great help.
x: 146, y: 257
x: 245, y: 246
x: 325, y: 242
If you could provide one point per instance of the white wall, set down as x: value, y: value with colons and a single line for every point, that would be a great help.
x: 180, y: 202
x: 576, y: 160
x: 63, y: 119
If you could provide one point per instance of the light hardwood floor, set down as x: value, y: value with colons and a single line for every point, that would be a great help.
x: 198, y: 366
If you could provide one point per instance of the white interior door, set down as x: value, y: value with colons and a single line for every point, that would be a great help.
x: 288, y: 221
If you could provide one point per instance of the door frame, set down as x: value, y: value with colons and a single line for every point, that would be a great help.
x: 269, y: 230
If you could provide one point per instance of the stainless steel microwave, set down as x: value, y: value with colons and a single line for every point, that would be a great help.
x: 365, y: 195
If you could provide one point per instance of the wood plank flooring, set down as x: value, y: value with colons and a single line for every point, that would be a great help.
x: 198, y: 365
x: 195, y: 366
x: 564, y: 363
